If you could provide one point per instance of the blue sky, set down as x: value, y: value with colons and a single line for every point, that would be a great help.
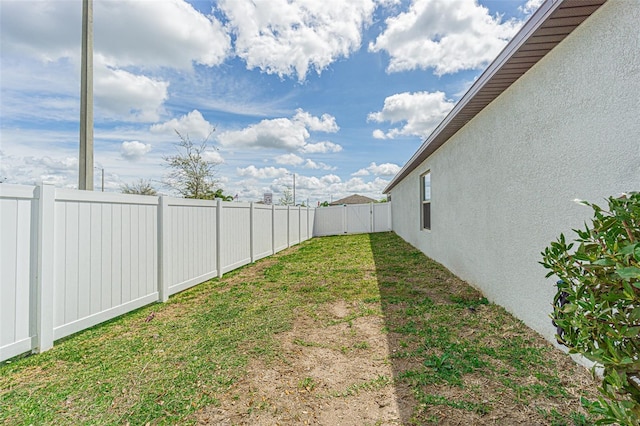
x: 341, y: 93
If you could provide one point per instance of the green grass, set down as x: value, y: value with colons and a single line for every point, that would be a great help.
x: 198, y: 345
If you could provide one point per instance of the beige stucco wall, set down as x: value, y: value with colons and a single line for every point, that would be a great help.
x: 503, y: 186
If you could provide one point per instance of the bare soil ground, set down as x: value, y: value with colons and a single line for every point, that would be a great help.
x: 336, y: 374
x: 342, y: 371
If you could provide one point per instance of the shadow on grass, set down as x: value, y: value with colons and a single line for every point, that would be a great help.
x: 457, y: 359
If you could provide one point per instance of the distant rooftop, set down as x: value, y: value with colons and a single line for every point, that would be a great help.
x: 353, y: 199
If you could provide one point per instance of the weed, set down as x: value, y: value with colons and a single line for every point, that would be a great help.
x: 361, y: 345
x: 307, y: 384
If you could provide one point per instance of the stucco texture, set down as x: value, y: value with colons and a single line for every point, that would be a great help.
x: 503, y: 187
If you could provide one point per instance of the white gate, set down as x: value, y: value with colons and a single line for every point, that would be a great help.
x: 352, y: 219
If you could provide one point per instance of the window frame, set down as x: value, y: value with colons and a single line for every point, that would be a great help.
x: 425, y: 201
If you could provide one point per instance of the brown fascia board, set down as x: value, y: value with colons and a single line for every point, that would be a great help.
x: 547, y: 27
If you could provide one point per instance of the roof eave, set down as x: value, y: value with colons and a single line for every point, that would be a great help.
x: 455, y: 120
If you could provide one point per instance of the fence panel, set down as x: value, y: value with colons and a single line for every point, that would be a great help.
x: 304, y: 224
x: 312, y: 217
x: 235, y: 243
x: 105, y: 257
x: 190, y: 242
x: 358, y: 218
x: 281, y: 223
x: 382, y: 217
x: 262, y: 231
x: 18, y: 212
x: 329, y: 221
x: 294, y: 225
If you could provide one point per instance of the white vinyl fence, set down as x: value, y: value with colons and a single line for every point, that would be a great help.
x: 352, y: 219
x: 73, y: 259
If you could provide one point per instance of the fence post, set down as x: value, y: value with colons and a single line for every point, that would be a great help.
x: 308, y: 232
x: 252, y: 232
x: 219, y: 237
x: 372, y: 222
x: 163, y: 247
x: 299, y: 224
x: 390, y: 218
x: 288, y: 226
x: 45, y: 273
x: 273, y: 229
x: 344, y: 218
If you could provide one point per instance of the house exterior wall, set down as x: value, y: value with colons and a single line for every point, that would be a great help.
x: 503, y: 187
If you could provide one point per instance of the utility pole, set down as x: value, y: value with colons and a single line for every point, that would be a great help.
x: 294, y: 190
x: 85, y: 162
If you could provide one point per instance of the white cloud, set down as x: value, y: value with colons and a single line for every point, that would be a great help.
x: 295, y: 160
x: 314, y: 188
x: 325, y: 123
x: 193, y: 125
x: 322, y: 188
x: 385, y: 169
x: 356, y: 185
x: 291, y: 37
x: 29, y: 170
x: 330, y: 179
x: 282, y: 133
x: 361, y: 172
x: 262, y: 173
x: 212, y: 157
x: 169, y: 33
x: 310, y: 164
x: 134, y: 150
x: 53, y: 164
x: 446, y: 35
x: 43, y: 29
x: 321, y: 148
x: 132, y: 41
x: 379, y: 134
x: 289, y: 159
x: 531, y: 6
x: 278, y: 133
x: 420, y: 112
x: 128, y: 96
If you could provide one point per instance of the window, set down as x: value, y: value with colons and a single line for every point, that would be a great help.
x: 425, y: 184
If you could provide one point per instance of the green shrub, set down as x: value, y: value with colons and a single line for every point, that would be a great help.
x: 597, y: 306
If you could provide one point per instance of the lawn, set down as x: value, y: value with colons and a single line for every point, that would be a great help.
x: 345, y: 330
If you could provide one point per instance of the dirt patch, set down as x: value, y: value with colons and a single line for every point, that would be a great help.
x: 330, y: 373
x: 339, y: 367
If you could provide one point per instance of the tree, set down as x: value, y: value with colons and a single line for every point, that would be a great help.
x: 287, y: 197
x: 597, y: 305
x: 220, y: 194
x: 191, y: 174
x: 140, y: 187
